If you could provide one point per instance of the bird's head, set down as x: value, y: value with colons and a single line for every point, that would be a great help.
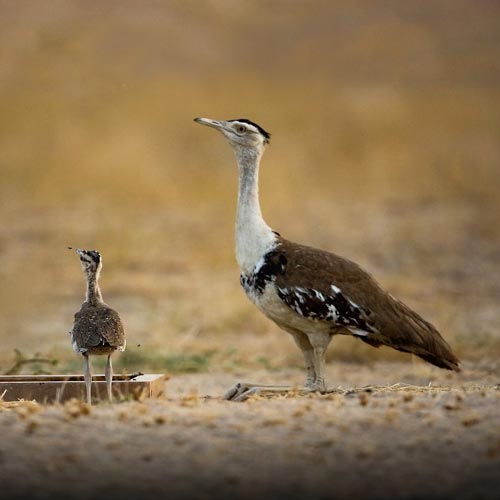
x: 243, y: 135
x: 91, y: 261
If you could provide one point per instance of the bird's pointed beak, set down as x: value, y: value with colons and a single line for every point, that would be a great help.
x: 79, y: 251
x: 210, y: 123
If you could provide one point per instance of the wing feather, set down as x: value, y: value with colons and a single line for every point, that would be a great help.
x: 333, y: 307
x: 96, y: 326
x: 317, y: 281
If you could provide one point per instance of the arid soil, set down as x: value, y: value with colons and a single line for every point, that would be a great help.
x: 416, y: 432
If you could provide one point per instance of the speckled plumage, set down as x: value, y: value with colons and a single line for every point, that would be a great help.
x: 97, y: 330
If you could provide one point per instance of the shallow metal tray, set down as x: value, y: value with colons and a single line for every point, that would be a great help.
x: 59, y: 388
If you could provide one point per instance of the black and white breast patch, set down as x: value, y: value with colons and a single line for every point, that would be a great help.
x: 266, y: 270
x: 334, y: 307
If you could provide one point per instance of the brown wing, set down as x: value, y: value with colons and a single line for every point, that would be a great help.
x: 97, y: 326
x: 396, y: 325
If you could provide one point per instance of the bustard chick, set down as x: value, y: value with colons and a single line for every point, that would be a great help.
x: 313, y: 294
x: 97, y: 329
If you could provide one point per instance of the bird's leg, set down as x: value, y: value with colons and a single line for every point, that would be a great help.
x: 319, y: 359
x: 243, y: 390
x: 109, y: 378
x: 305, y: 346
x: 88, y: 379
x: 319, y: 342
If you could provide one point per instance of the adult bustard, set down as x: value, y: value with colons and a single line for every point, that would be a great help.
x: 310, y: 293
x: 97, y: 328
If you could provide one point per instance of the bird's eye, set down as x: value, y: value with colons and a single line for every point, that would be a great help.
x: 241, y: 129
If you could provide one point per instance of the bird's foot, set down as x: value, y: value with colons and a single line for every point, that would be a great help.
x: 243, y: 390
x: 315, y: 386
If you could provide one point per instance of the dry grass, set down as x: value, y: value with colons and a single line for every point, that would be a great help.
x: 385, y: 148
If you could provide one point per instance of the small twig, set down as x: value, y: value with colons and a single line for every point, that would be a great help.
x: 21, y: 360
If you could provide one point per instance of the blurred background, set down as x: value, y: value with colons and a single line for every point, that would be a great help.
x: 385, y: 119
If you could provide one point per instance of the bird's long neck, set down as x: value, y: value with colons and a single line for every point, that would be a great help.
x: 93, y: 295
x: 254, y: 237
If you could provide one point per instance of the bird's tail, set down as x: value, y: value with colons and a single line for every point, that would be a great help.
x: 417, y: 336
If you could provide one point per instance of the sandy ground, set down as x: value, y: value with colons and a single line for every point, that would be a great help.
x: 434, y: 435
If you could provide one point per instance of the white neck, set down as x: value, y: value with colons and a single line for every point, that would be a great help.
x: 254, y: 237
